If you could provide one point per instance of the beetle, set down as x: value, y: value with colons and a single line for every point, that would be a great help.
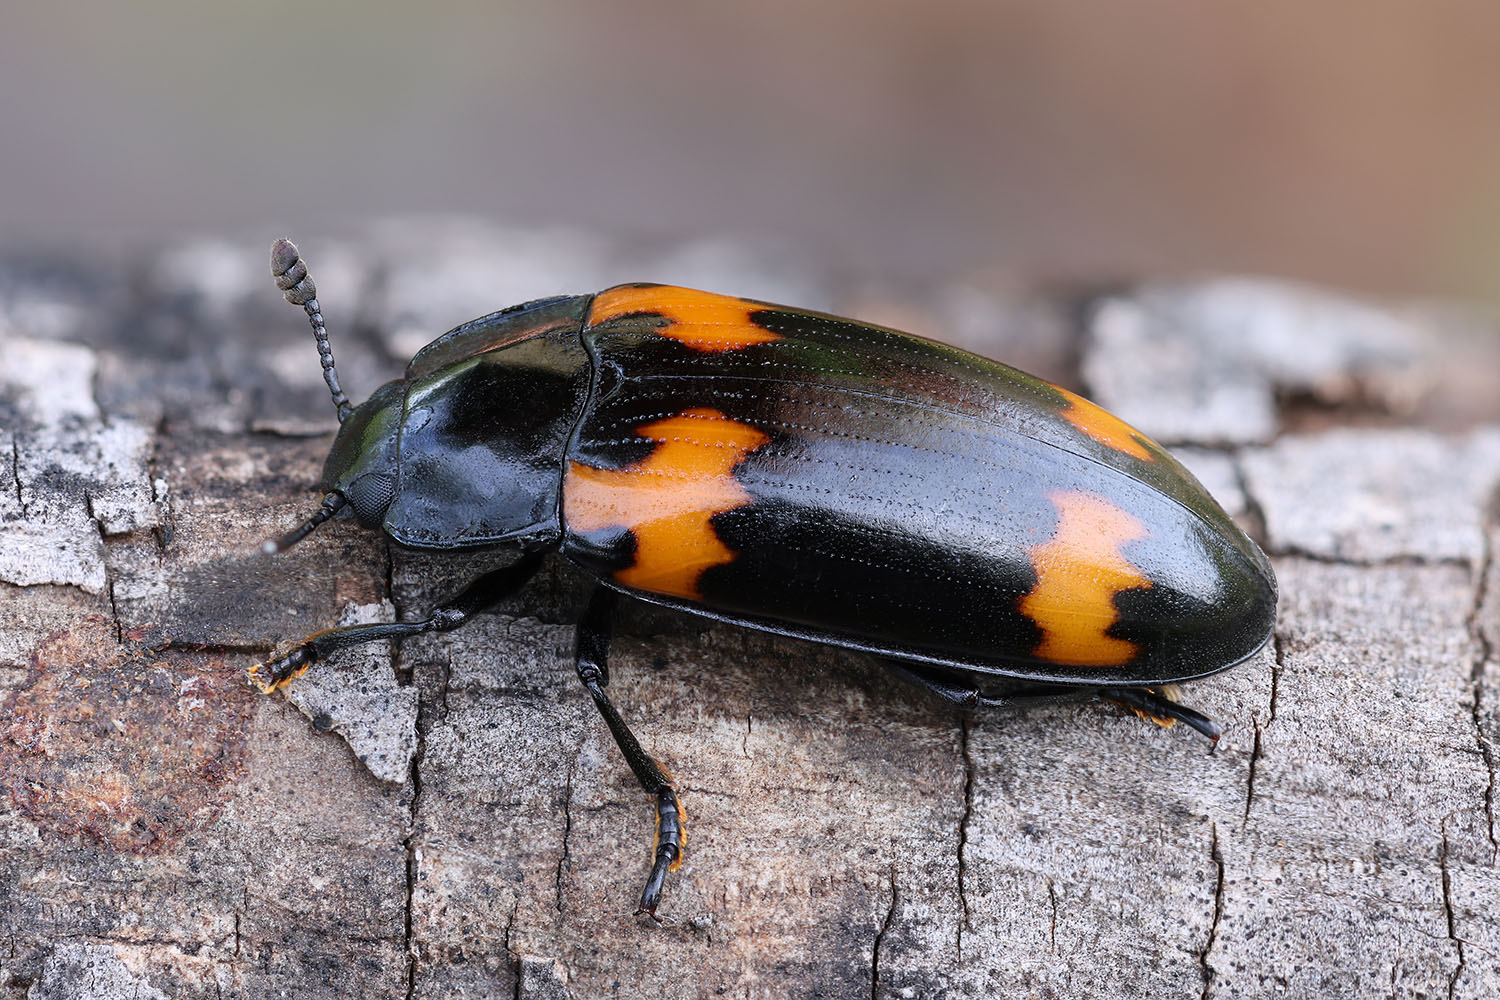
x: 989, y: 536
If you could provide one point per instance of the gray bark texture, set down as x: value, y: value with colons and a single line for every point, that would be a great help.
x: 448, y: 817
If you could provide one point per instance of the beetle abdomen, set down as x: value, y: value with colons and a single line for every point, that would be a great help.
x: 816, y: 476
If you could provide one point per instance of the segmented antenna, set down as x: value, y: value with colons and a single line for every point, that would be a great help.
x: 290, y: 272
x: 332, y: 503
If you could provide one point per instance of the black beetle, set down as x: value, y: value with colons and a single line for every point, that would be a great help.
x: 799, y: 473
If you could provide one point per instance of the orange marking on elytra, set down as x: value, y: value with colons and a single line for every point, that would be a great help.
x: 1103, y: 426
x: 1079, y: 571
x: 667, y: 499
x: 701, y: 320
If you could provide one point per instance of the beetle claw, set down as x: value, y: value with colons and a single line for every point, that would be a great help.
x: 666, y: 856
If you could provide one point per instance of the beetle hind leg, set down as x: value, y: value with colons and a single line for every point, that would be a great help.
x: 591, y: 654
x: 1160, y: 707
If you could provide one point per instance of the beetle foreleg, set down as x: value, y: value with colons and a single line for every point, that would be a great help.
x: 489, y: 589
x: 591, y: 652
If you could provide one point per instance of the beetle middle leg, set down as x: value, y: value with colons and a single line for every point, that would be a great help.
x: 591, y: 653
x: 489, y: 589
x: 964, y: 694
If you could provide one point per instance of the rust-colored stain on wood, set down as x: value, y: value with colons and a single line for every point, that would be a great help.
x: 701, y: 320
x: 667, y: 499
x: 1079, y: 572
x: 127, y: 743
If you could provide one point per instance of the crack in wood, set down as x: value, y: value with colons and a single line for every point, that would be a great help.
x: 1052, y: 927
x: 885, y: 925
x: 1475, y: 625
x: 15, y: 475
x: 1458, y: 942
x: 1388, y: 562
x: 963, y: 831
x: 164, y: 528
x: 1257, y: 751
x: 109, y: 578
x: 565, y: 859
x: 1209, y: 973
x: 409, y: 943
x: 1255, y: 513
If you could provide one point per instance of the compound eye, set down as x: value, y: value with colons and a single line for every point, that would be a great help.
x: 370, y: 495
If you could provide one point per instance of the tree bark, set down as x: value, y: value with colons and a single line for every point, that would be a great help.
x: 448, y: 817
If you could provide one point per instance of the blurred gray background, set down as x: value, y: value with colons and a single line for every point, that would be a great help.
x: 1357, y: 145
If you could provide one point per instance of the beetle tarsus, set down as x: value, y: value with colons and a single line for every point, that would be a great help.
x: 667, y: 854
x: 277, y: 673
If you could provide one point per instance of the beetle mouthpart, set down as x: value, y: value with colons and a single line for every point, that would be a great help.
x: 297, y: 287
x: 332, y: 504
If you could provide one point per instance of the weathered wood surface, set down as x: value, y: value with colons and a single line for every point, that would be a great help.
x: 165, y: 831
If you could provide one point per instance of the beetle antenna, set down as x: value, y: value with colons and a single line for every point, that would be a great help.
x: 290, y: 272
x: 332, y: 504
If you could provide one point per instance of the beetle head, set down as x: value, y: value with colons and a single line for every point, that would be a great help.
x: 361, y: 466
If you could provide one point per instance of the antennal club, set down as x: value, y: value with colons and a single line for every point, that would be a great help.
x: 290, y: 272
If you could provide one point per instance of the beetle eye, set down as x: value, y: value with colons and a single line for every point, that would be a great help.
x: 370, y: 495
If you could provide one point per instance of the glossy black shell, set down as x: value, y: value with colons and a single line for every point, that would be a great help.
x: 818, y: 477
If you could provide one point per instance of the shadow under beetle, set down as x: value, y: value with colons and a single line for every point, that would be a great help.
x: 987, y: 535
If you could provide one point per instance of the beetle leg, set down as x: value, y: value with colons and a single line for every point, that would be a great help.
x: 490, y: 588
x: 1149, y: 704
x: 591, y: 653
x: 964, y: 695
x: 1155, y: 706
